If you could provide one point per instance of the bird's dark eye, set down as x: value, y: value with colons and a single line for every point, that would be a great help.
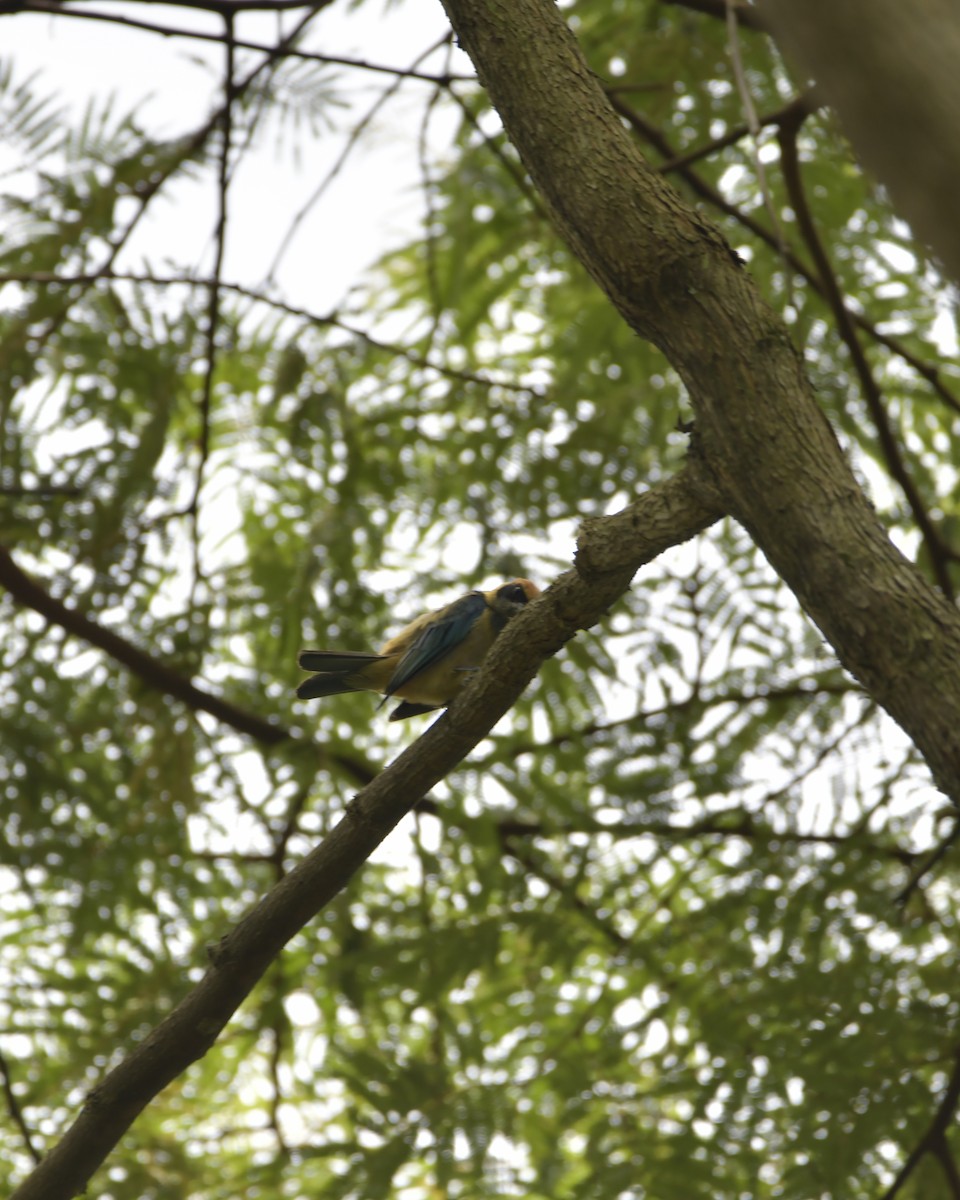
x: 513, y: 592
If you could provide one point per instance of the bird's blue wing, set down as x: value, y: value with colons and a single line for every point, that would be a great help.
x: 438, y: 639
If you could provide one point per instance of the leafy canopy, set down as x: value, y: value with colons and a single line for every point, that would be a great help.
x: 645, y: 941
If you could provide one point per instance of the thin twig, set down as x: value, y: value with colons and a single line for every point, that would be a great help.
x: 213, y: 311
x: 330, y: 320
x: 55, y: 8
x: 355, y: 134
x: 754, y: 126
x: 934, y: 1136
x: 873, y: 398
x: 430, y: 235
x: 15, y: 1111
x: 149, y: 188
x: 738, y: 696
x: 213, y: 308
x: 806, y: 103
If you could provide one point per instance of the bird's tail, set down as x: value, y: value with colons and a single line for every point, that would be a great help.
x: 335, y: 668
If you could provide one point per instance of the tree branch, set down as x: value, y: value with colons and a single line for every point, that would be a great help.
x: 935, y: 1137
x: 55, y: 8
x: 706, y: 191
x: 873, y: 398
x: 773, y: 455
x: 671, y: 513
x: 14, y: 1109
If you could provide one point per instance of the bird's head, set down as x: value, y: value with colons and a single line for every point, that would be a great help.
x: 507, y: 600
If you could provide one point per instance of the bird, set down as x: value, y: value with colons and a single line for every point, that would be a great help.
x: 428, y: 661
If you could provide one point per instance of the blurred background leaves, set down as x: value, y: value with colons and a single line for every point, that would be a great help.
x: 646, y: 941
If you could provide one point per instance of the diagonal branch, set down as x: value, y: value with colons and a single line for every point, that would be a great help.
x: 715, y: 198
x: 213, y: 307
x: 152, y: 671
x: 934, y: 1140
x: 15, y: 1109
x: 671, y: 513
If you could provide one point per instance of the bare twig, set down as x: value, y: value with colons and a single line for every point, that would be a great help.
x: 14, y: 1109
x: 213, y: 307
x: 312, y: 318
x: 754, y: 126
x: 430, y: 235
x: 693, y: 701
x: 933, y: 1140
x: 793, y: 178
x: 355, y: 134
x: 806, y: 103
x: 56, y: 8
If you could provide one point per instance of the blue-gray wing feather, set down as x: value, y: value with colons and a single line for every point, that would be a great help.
x: 438, y: 639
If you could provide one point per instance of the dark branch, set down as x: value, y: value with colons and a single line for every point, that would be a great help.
x: 793, y: 178
x: 150, y: 670
x: 15, y: 1111
x: 54, y: 8
x: 935, y: 1137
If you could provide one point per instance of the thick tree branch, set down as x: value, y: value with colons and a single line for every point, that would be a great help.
x: 776, y: 460
x: 671, y: 513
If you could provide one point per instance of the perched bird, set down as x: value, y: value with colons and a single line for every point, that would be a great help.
x: 429, y: 661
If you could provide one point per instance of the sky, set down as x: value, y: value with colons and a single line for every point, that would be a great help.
x: 373, y: 205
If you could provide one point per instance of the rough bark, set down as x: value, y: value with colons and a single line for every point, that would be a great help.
x: 891, y: 71
x: 773, y: 455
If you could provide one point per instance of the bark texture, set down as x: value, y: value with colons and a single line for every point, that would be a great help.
x: 773, y: 455
x: 892, y: 72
